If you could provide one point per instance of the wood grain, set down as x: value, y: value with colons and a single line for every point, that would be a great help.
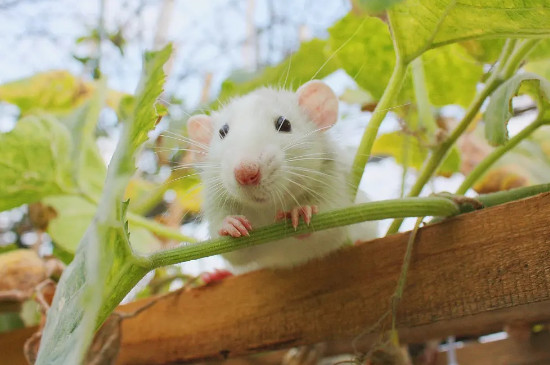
x: 469, y: 275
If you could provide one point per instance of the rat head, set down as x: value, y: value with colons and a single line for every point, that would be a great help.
x: 263, y: 147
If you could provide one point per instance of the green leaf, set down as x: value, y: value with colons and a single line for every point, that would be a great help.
x: 89, y: 169
x: 499, y: 110
x: 74, y: 215
x: 541, y: 51
x: 104, y: 268
x: 419, y: 25
x: 483, y: 50
x: 451, y: 75
x: 363, y: 47
x: 376, y: 6
x: 35, y: 161
x: 312, y: 60
x: 53, y: 91
x: 145, y: 115
x: 411, y: 152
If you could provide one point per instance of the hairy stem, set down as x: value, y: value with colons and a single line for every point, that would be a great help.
x: 408, y: 207
x: 385, y: 103
x: 157, y: 228
x: 508, y: 63
x: 497, y: 153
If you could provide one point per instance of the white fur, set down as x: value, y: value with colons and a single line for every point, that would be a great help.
x: 252, y: 135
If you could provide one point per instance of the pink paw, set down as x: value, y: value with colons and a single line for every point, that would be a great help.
x: 306, y: 212
x: 235, y: 226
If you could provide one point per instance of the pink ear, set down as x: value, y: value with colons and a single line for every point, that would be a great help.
x: 319, y: 102
x: 200, y: 130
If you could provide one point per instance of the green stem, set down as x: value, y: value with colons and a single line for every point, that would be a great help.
x: 497, y: 153
x: 508, y: 63
x: 408, y: 207
x: 425, y: 115
x: 394, y: 208
x: 520, y: 51
x: 385, y: 103
x: 157, y: 228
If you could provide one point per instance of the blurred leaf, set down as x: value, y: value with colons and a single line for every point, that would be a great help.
x: 499, y: 110
x: 53, y: 92
x: 541, y: 51
x: 89, y: 169
x: 188, y: 192
x: 483, y: 50
x: 451, y: 75
x: 408, y: 151
x: 35, y: 161
x: 419, y: 25
x: 499, y: 179
x: 104, y: 268
x: 75, y: 215
x: 540, y: 67
x: 356, y: 96
x: 312, y: 59
x: 363, y: 46
x: 375, y: 6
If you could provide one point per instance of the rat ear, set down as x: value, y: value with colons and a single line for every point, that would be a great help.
x: 200, y: 129
x: 319, y: 102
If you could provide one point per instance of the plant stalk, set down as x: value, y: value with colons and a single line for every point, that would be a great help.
x: 497, y: 153
x: 508, y: 63
x: 367, y: 141
x: 407, y: 207
x: 157, y: 228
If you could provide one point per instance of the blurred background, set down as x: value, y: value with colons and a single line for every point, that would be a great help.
x: 222, y: 48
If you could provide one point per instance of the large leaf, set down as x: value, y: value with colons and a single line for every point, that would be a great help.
x: 53, y: 92
x: 35, y: 161
x: 499, y: 110
x: 419, y: 25
x: 88, y: 168
x: 104, y: 268
x: 409, y: 151
x: 483, y: 50
x: 74, y: 215
x: 364, y: 48
x: 375, y: 6
x: 312, y: 60
x: 451, y: 75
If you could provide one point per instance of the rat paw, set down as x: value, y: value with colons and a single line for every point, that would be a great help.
x: 305, y: 211
x: 235, y: 226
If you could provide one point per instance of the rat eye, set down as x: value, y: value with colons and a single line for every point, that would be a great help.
x: 223, y: 131
x: 282, y: 124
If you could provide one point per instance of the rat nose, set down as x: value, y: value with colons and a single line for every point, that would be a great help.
x: 248, y: 173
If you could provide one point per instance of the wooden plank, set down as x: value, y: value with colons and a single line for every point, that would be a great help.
x: 11, y: 346
x: 469, y: 275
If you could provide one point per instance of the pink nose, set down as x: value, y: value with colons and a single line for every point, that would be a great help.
x: 248, y: 173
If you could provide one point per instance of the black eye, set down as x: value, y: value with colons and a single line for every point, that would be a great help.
x: 223, y: 131
x: 282, y: 124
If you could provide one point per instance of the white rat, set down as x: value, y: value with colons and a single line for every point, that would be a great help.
x: 266, y: 156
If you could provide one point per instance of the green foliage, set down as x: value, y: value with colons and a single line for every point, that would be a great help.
x: 375, y: 6
x: 419, y: 25
x: 35, y: 161
x: 312, y: 60
x: 363, y: 47
x: 411, y: 151
x: 499, y: 111
x: 104, y: 268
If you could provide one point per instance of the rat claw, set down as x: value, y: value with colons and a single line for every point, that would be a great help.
x: 235, y: 226
x: 295, y: 217
x: 306, y: 213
